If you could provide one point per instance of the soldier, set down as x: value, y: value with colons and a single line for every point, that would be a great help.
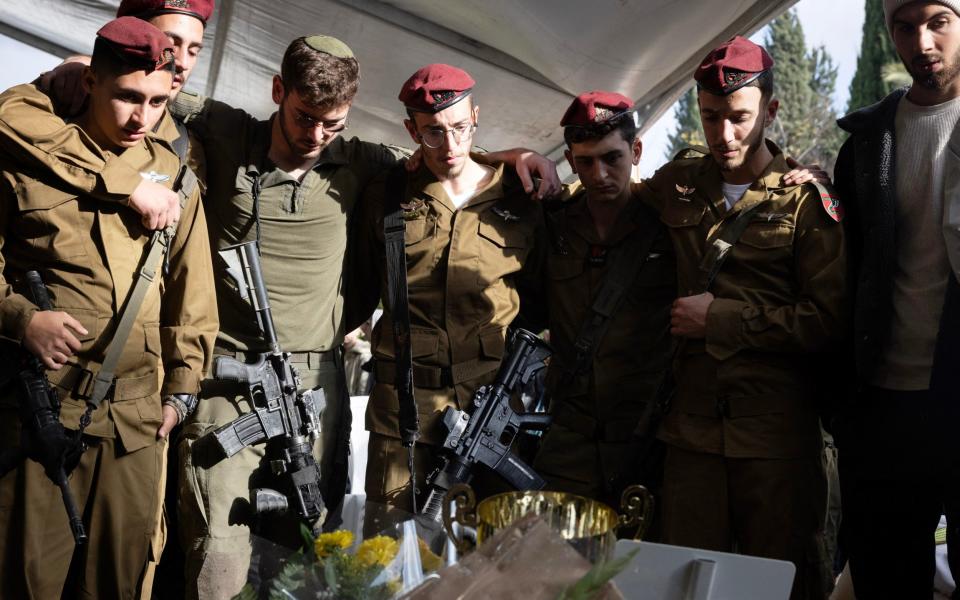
x: 611, y: 279
x: 27, y: 123
x: 292, y: 182
x: 91, y: 254
x: 897, y: 175
x: 743, y: 464
x: 472, y: 244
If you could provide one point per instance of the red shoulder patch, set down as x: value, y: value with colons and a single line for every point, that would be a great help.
x: 830, y: 202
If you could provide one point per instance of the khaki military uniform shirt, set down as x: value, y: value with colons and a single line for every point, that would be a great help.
x: 466, y: 270
x: 303, y: 224
x: 750, y: 389
x: 88, y: 254
x: 630, y: 358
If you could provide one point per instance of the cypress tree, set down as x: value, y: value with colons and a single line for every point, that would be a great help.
x: 876, y: 53
x: 805, y: 83
x: 688, y: 132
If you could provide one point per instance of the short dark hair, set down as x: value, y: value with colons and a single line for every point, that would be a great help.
x: 624, y: 123
x: 322, y: 80
x: 107, y: 61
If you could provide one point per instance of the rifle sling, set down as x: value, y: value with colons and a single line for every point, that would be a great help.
x: 153, y: 255
x: 394, y: 227
x: 720, y: 246
x: 624, y: 268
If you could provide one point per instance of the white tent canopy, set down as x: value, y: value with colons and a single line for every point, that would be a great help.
x: 529, y: 57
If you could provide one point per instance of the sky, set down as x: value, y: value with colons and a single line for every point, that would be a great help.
x: 835, y: 24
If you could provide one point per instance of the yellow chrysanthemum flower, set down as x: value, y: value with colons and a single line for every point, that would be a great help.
x: 378, y: 550
x: 326, y: 543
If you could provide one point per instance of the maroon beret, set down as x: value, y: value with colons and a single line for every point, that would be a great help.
x: 147, y: 9
x: 435, y: 87
x: 732, y: 66
x: 595, y: 107
x: 137, y: 42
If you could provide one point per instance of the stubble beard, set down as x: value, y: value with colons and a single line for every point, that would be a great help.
x: 295, y: 148
x: 936, y: 81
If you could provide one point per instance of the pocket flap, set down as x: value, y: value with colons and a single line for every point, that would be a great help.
x: 561, y: 268
x: 424, y: 343
x: 492, y: 344
x: 501, y: 232
x: 768, y: 234
x: 683, y: 214
x: 33, y: 195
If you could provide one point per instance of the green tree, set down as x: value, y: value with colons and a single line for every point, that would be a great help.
x: 805, y: 83
x: 688, y: 132
x: 877, y: 54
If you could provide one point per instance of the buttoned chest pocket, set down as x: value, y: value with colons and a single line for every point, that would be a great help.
x: 503, y: 246
x: 51, y: 222
x: 421, y: 248
x: 769, y: 232
x: 680, y: 214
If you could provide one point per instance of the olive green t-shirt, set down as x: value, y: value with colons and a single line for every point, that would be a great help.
x: 303, y: 225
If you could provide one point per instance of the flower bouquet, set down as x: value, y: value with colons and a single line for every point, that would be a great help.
x: 329, y: 567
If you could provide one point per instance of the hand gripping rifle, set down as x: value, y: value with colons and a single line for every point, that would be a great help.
x: 281, y: 411
x: 485, y: 436
x: 44, y: 438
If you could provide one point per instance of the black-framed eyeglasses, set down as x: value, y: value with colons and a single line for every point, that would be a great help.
x: 433, y: 137
x: 307, y: 122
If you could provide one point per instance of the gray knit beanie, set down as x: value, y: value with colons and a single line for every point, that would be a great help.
x: 890, y: 8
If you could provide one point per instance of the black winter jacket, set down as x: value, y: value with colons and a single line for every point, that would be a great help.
x: 865, y: 178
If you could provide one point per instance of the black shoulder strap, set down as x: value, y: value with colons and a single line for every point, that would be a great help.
x: 181, y: 145
x: 393, y: 234
x: 719, y: 245
x: 625, y: 265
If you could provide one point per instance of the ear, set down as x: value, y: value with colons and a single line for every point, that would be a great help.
x: 412, y: 130
x: 637, y: 150
x: 476, y: 115
x: 569, y: 157
x: 278, y: 90
x: 772, y: 109
x: 88, y: 78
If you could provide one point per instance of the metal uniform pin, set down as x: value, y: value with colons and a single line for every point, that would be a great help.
x: 155, y: 177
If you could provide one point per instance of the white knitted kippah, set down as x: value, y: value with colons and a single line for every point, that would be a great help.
x: 890, y: 8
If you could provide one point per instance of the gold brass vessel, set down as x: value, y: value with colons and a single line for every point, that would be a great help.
x: 590, y: 526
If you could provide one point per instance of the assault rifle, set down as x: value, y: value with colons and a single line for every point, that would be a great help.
x: 485, y: 436
x: 44, y: 438
x: 282, y: 414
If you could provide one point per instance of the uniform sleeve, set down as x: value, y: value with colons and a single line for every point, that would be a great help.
x: 531, y: 284
x: 817, y: 318
x: 653, y: 191
x: 367, y: 256
x: 15, y: 310
x: 188, y: 318
x: 34, y: 137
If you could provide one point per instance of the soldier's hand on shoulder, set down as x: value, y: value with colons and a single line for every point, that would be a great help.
x: 158, y: 206
x: 529, y: 165
x: 688, y: 315
x: 64, y: 85
x: 50, y: 336
x: 801, y: 174
x: 413, y: 162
